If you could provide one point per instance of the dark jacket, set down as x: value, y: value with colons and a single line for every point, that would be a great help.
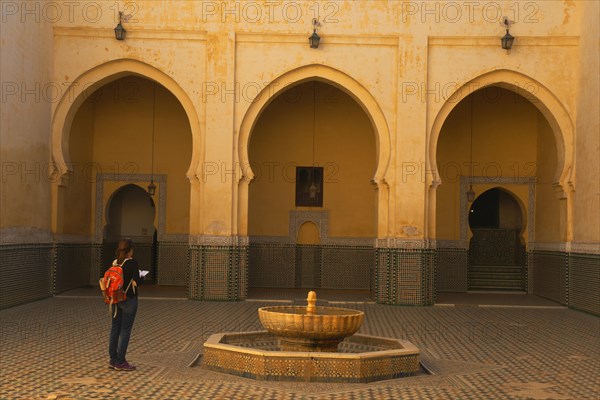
x: 131, y: 270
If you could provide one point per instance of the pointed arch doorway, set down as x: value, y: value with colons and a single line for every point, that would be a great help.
x: 131, y: 213
x: 496, y: 249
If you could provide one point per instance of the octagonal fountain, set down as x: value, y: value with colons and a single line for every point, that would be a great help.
x: 315, y: 344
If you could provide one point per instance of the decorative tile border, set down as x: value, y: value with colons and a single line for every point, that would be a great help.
x: 270, y: 239
x: 72, y: 239
x: 566, y: 247
x: 584, y: 248
x: 540, y: 246
x: 332, y: 241
x: 450, y: 244
x: 350, y: 241
x: 213, y: 240
x: 24, y: 235
x: 406, y: 243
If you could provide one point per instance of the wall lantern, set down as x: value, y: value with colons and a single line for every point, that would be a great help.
x: 314, y: 39
x: 152, y: 188
x: 119, y: 30
x: 508, y: 39
x: 470, y: 194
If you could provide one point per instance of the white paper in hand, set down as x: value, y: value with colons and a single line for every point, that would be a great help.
x: 143, y: 273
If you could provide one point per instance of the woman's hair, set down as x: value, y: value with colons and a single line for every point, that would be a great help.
x: 124, y: 247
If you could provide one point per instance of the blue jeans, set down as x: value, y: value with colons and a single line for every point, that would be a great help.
x: 121, y: 329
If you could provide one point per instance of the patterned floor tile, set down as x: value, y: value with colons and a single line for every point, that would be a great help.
x: 57, y: 349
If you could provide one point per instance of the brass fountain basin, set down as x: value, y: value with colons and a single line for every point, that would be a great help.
x: 310, y: 328
x: 298, y: 330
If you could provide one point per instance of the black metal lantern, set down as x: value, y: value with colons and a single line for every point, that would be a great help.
x: 152, y: 188
x: 119, y: 30
x: 507, y: 41
x: 470, y: 194
x: 314, y: 39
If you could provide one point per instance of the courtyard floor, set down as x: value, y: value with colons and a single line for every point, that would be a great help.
x: 57, y: 349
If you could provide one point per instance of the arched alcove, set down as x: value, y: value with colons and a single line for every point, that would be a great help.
x: 312, y: 125
x: 129, y: 130
x: 355, y: 91
x: 493, y: 137
x: 308, y: 234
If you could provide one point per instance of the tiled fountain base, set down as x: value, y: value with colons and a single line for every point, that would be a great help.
x: 360, y: 358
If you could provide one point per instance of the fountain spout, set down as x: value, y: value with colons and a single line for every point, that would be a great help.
x: 311, y: 307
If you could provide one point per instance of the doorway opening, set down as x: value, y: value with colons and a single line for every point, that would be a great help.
x: 130, y: 214
x: 496, y: 250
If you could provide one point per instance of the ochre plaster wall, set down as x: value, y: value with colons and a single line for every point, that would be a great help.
x: 547, y: 205
x: 344, y: 147
x: 586, y: 198
x: 25, y: 110
x: 77, y: 216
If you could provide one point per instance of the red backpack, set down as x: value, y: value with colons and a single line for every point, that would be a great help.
x: 111, y: 285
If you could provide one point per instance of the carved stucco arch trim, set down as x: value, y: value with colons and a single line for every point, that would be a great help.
x: 295, y: 77
x: 88, y: 82
x: 541, y: 97
x: 330, y: 76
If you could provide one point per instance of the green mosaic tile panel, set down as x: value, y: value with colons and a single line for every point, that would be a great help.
x: 584, y: 282
x: 73, y: 266
x: 272, y: 265
x: 173, y: 264
x: 218, y: 273
x: 451, y: 270
x: 405, y: 276
x: 26, y: 273
x: 550, y: 277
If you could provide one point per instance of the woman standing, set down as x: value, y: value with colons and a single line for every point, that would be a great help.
x: 122, y: 322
